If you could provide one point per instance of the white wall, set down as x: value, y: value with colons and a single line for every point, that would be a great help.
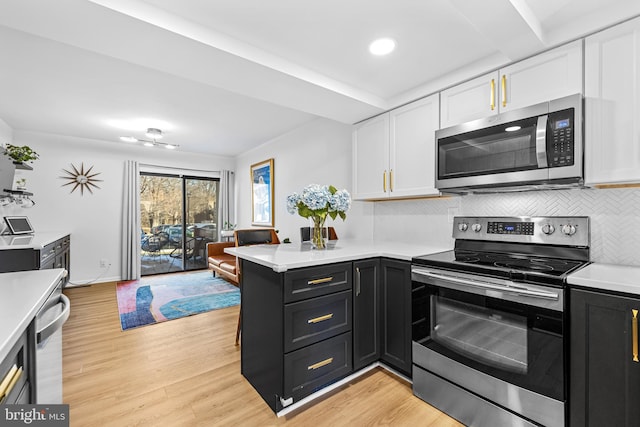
x: 318, y: 152
x: 6, y: 133
x: 94, y: 220
x: 615, y: 223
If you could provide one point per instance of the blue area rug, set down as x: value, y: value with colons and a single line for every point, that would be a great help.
x: 155, y: 299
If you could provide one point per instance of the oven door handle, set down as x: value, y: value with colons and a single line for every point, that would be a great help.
x: 507, y: 287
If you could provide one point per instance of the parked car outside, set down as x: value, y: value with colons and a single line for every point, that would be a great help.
x: 175, y: 234
x: 159, y: 228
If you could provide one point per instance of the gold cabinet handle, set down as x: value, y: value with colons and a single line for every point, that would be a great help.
x: 493, y: 94
x: 504, y: 90
x: 320, y: 319
x: 325, y: 362
x: 4, y: 384
x: 384, y: 181
x: 319, y: 281
x: 391, y: 180
x: 9, y: 382
x: 634, y: 332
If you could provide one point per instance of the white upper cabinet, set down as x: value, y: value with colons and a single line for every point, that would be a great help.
x: 470, y: 100
x: 612, y: 105
x: 370, y: 145
x: 412, y: 149
x: 394, y: 153
x: 541, y: 78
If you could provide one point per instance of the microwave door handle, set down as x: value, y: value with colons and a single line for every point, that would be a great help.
x: 541, y: 142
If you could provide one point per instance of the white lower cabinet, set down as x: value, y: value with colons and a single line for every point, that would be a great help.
x: 394, y: 153
x: 612, y: 106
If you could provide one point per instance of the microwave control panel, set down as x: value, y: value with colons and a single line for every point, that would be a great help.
x: 560, y: 138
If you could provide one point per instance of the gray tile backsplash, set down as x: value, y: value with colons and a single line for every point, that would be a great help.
x: 614, y: 213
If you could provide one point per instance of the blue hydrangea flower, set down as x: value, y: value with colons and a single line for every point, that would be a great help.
x: 316, y: 202
x: 340, y: 201
x: 316, y: 196
x: 292, y: 203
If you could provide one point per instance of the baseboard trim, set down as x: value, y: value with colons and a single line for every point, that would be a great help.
x: 338, y: 384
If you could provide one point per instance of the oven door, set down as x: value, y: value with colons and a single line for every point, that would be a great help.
x: 508, y: 331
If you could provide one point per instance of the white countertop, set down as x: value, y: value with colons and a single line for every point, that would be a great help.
x: 35, y: 241
x: 287, y: 256
x: 608, y: 277
x: 21, y: 295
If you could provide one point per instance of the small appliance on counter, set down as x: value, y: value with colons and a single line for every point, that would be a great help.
x: 18, y: 225
x: 489, y: 319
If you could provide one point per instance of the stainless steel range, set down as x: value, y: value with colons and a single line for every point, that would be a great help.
x: 489, y: 319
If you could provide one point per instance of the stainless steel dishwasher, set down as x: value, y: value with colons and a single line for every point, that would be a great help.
x: 49, y: 320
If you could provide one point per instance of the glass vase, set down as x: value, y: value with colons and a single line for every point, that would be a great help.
x: 318, y: 233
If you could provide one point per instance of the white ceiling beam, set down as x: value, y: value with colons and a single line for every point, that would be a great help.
x: 529, y: 18
x: 504, y: 26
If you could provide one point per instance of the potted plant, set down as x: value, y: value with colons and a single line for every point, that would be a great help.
x: 20, y: 154
x: 227, y: 229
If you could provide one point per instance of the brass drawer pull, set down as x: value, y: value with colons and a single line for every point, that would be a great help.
x: 319, y: 281
x: 634, y: 332
x: 320, y: 364
x: 321, y: 318
x: 9, y: 382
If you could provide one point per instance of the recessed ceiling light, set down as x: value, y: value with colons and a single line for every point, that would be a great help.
x: 128, y: 139
x: 513, y: 128
x: 149, y: 144
x: 170, y: 147
x: 383, y: 46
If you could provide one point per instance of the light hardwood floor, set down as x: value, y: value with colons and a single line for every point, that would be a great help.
x: 186, y: 372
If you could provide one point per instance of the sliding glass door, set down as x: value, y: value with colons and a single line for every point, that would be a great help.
x: 179, y: 216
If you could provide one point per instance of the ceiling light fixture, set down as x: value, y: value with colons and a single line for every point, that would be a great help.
x: 382, y: 46
x: 513, y: 128
x: 154, y: 134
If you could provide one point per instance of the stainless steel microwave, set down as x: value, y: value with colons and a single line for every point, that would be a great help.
x: 535, y: 147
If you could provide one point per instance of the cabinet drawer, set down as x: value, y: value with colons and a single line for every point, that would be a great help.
x: 307, y: 322
x: 47, y: 254
x: 311, y: 368
x: 311, y: 282
x: 12, y: 381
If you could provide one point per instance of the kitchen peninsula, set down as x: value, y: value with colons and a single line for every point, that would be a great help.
x: 38, y: 251
x: 311, y: 318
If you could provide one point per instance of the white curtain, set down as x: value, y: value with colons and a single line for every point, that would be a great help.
x: 131, y: 222
x: 225, y: 199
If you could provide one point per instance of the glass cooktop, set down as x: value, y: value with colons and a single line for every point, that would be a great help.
x: 513, y: 266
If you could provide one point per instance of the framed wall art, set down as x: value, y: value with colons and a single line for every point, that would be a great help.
x: 262, y: 193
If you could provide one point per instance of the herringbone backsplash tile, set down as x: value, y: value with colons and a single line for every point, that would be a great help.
x: 614, y: 214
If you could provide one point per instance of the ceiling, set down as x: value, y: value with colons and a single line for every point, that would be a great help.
x: 221, y: 77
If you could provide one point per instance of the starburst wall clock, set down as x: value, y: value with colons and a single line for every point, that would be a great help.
x: 79, y: 178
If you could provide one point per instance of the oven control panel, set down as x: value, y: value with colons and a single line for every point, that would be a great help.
x: 553, y: 230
